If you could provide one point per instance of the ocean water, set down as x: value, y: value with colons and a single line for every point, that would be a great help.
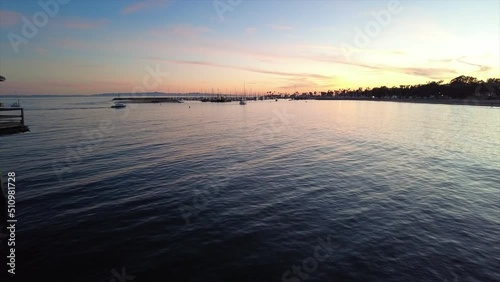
x: 271, y: 191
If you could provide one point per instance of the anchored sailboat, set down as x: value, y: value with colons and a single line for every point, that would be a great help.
x: 243, y: 99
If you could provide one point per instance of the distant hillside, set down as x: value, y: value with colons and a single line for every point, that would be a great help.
x: 133, y: 94
x: 152, y: 94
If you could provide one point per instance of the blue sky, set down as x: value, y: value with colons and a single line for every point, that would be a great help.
x: 106, y: 46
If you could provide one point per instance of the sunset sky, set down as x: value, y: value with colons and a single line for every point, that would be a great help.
x: 108, y: 46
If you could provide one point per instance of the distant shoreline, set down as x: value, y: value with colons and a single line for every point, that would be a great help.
x: 178, y: 97
x: 465, y: 102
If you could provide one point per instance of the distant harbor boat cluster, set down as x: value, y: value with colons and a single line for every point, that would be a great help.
x: 181, y: 99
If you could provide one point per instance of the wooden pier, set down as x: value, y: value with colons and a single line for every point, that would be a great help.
x: 12, y: 121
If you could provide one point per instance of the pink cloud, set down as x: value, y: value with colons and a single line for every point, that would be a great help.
x: 9, y: 18
x: 143, y: 5
x: 250, y: 30
x: 227, y: 47
x: 281, y: 27
x: 304, y: 84
x: 428, y: 72
x: 482, y: 68
x: 181, y: 30
x: 69, y: 43
x: 65, y: 85
x: 85, y: 24
x: 41, y: 51
x: 278, y: 73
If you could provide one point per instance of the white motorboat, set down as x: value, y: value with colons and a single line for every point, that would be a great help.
x: 118, y: 105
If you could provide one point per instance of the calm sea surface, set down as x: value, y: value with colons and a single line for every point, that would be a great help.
x: 271, y: 191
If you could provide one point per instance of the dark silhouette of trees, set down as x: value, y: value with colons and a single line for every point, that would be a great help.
x: 463, y: 80
x: 460, y: 87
